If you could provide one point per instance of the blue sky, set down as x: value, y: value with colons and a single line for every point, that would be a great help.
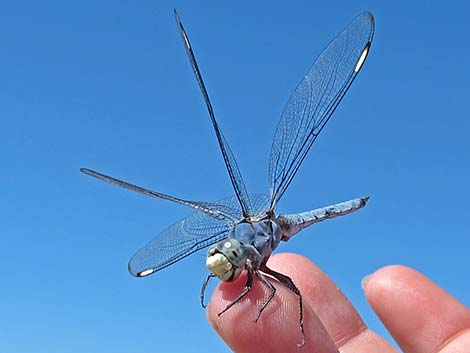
x: 107, y: 85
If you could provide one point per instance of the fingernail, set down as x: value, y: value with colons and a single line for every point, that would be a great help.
x: 364, y: 281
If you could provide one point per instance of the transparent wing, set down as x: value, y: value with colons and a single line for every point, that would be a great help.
x: 185, y: 237
x: 221, y: 212
x: 315, y: 99
x: 229, y: 159
x: 177, y: 242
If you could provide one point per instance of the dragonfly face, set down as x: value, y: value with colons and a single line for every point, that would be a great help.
x: 249, y: 246
x: 227, y: 259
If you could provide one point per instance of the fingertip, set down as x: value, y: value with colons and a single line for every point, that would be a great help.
x: 419, y: 314
x: 278, y: 328
x: 387, y: 280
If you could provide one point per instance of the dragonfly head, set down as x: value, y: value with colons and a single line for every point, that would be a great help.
x: 226, y: 259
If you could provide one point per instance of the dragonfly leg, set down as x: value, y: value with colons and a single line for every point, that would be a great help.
x: 249, y: 281
x: 203, y: 289
x: 270, y: 297
x: 287, y: 281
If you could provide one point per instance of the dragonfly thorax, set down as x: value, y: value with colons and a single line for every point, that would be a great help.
x: 263, y: 237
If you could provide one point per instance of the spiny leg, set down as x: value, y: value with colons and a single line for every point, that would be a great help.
x: 270, y: 297
x: 287, y: 281
x: 249, y: 282
x: 203, y: 289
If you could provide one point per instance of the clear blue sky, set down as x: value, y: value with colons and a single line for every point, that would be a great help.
x: 107, y: 85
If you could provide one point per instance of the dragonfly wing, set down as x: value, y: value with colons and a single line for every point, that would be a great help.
x: 195, y: 232
x: 229, y: 159
x: 221, y: 212
x: 183, y: 238
x: 315, y: 99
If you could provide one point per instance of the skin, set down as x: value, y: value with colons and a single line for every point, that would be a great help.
x: 420, y: 316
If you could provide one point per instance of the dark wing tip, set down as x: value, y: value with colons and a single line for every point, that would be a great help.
x: 142, y: 273
x: 177, y: 17
x: 182, y: 30
x: 92, y: 173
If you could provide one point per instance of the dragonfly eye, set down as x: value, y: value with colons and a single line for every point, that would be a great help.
x: 234, y: 251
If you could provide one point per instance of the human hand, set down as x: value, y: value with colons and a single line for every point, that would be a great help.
x: 420, y: 316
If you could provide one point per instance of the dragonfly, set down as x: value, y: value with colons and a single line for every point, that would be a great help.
x: 243, y: 230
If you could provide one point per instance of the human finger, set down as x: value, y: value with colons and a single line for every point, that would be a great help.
x: 420, y: 315
x: 341, y: 320
x: 277, y: 329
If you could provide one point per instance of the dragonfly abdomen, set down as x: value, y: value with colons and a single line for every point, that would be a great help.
x: 293, y: 223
